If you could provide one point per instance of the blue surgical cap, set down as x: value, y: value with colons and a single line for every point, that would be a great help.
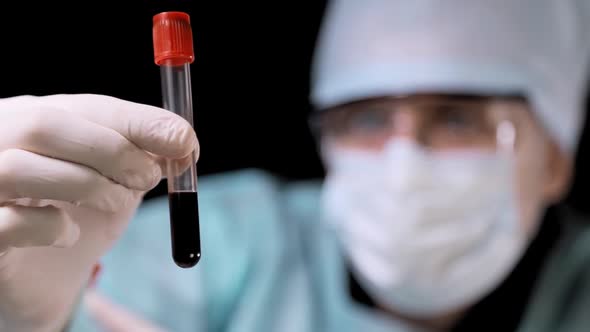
x: 538, y: 48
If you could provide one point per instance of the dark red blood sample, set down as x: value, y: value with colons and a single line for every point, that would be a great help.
x: 184, y: 228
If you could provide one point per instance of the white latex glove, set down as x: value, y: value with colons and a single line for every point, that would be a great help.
x: 73, y: 169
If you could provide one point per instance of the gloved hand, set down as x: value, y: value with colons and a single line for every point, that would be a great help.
x: 114, y: 318
x: 73, y: 169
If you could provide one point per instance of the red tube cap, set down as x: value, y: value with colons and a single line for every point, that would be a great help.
x: 173, y: 38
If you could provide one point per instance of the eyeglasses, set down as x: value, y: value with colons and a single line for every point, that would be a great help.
x: 435, y: 121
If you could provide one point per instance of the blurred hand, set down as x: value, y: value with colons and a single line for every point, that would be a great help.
x: 114, y: 318
x: 73, y: 169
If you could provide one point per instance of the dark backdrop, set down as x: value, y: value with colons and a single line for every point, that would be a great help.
x: 250, y: 77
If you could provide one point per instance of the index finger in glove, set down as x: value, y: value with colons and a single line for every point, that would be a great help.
x: 67, y: 136
x: 153, y: 129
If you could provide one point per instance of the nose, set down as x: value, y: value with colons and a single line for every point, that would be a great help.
x: 405, y: 124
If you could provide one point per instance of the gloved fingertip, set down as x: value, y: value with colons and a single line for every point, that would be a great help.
x: 69, y: 237
x: 170, y: 136
x: 156, y: 176
x: 143, y: 180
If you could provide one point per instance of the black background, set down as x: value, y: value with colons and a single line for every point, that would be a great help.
x: 250, y: 77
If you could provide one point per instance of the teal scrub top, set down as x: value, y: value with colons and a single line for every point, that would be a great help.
x: 269, y: 264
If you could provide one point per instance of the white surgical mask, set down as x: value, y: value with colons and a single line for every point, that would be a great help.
x: 426, y: 232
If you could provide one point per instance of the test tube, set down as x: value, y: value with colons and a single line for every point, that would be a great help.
x: 173, y: 52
